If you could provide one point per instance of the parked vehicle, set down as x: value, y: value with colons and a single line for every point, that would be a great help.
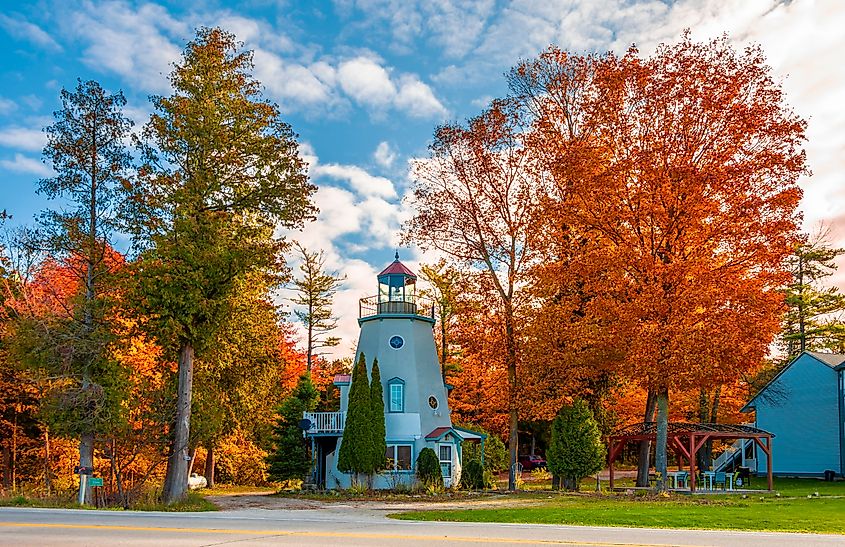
x: 530, y: 462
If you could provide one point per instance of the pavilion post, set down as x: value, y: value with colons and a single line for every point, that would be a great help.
x: 692, y: 463
x: 769, y: 462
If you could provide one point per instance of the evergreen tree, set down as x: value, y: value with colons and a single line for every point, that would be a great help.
x: 86, y: 148
x: 221, y: 175
x: 812, y: 321
x: 576, y: 449
x: 315, y: 291
x: 356, y: 448
x: 290, y: 459
x: 378, y: 431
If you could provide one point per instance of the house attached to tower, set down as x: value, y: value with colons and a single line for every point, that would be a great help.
x: 396, y: 328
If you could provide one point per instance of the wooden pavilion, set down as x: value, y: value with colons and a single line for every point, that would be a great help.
x: 686, y: 439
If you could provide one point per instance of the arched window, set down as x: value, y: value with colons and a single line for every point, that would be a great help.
x: 396, y: 395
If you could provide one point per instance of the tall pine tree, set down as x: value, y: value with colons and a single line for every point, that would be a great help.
x: 221, y: 174
x: 86, y: 148
x: 378, y: 430
x: 813, y: 320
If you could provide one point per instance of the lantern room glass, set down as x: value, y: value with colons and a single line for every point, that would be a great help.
x: 396, y: 288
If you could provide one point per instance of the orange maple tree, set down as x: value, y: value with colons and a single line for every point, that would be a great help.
x: 474, y: 200
x: 676, y: 201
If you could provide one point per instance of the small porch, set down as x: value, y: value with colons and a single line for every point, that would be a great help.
x: 686, y: 439
x: 323, y: 423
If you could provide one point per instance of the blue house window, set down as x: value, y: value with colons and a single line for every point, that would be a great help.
x: 396, y: 395
x: 399, y: 457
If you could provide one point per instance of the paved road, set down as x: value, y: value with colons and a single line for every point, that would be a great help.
x: 340, y: 525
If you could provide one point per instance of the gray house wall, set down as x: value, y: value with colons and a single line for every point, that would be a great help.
x: 801, y: 407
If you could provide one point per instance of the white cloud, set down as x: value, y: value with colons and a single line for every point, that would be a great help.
x: 384, y: 155
x: 138, y: 45
x: 370, y: 84
x: 366, y: 81
x: 291, y: 82
x: 355, y: 220
x: 454, y: 26
x: 418, y: 99
x: 22, y: 138
x: 361, y: 181
x: 22, y: 29
x: 25, y: 164
x: 7, y: 105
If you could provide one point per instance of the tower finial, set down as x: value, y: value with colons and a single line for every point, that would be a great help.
x: 397, y: 254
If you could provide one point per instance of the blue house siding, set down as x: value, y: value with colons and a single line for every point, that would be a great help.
x: 801, y: 407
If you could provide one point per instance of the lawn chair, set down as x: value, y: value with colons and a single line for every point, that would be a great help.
x: 720, y: 478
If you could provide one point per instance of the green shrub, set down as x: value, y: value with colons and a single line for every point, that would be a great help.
x: 472, y: 476
x: 428, y: 469
x: 576, y: 449
x: 496, y: 457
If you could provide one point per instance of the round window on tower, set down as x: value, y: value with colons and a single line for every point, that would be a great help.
x: 432, y: 402
x: 396, y: 342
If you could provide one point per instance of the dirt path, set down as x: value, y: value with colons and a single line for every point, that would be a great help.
x: 264, y: 500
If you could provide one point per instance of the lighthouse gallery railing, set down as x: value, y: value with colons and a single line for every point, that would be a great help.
x: 370, y: 306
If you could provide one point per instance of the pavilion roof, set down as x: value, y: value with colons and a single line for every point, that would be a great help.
x: 687, y: 428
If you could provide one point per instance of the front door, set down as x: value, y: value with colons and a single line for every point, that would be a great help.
x: 445, y: 452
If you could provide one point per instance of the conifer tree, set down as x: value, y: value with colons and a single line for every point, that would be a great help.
x: 221, y: 174
x: 378, y: 430
x: 355, y: 454
x: 290, y: 459
x: 86, y: 148
x: 315, y: 290
x: 812, y: 321
x: 576, y: 450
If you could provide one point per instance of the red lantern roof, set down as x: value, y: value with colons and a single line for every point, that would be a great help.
x: 397, y: 267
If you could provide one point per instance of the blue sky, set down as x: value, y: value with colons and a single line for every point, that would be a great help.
x: 364, y: 83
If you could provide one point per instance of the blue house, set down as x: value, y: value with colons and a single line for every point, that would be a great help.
x: 396, y: 328
x: 804, y: 406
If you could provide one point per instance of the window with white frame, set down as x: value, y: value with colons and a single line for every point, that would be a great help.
x: 396, y: 395
x: 398, y: 457
x: 446, y: 460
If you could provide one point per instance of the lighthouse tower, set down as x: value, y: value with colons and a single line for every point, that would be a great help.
x: 396, y: 328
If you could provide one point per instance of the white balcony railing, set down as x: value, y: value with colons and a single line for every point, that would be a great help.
x: 325, y: 422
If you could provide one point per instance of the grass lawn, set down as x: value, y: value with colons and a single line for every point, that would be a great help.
x: 793, y: 511
x: 191, y: 503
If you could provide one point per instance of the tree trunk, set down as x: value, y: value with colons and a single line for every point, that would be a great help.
x: 122, y: 498
x: 660, y: 459
x: 443, y: 350
x: 193, y: 455
x: 702, y: 457
x: 310, y: 339
x: 86, y: 459
x: 48, y: 479
x: 209, y: 465
x: 513, y: 437
x: 644, y: 459
x: 86, y: 439
x: 176, y: 478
